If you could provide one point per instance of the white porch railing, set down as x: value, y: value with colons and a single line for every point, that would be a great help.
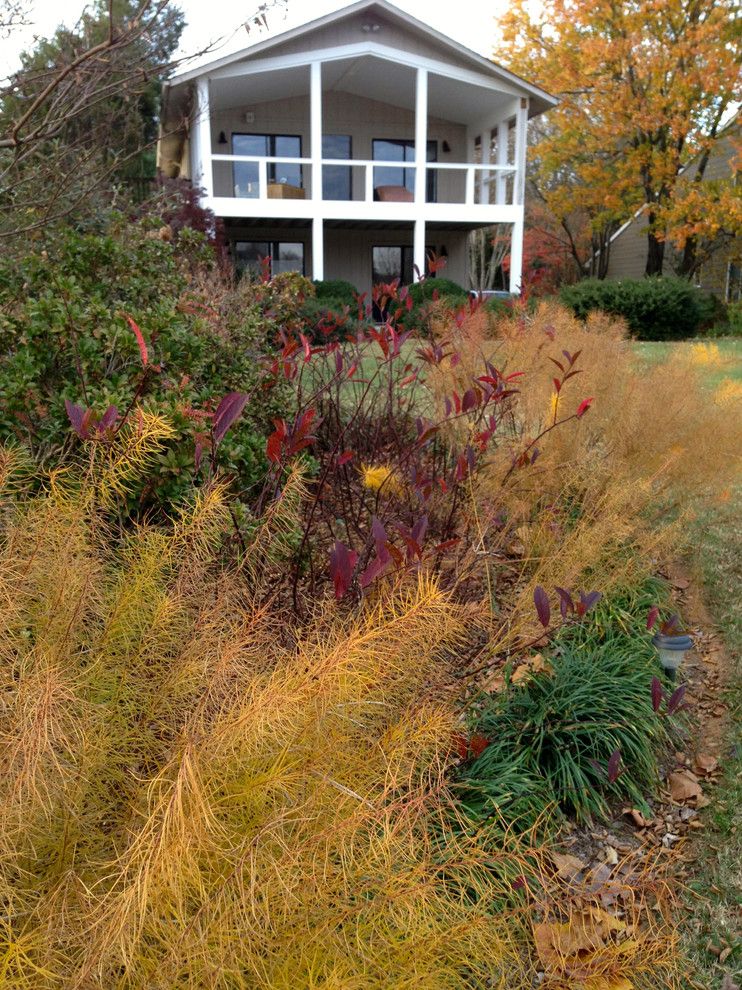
x: 478, y: 179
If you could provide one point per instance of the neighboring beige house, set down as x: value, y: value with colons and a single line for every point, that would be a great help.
x: 353, y: 146
x: 722, y: 273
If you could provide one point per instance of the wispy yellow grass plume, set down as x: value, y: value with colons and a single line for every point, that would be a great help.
x: 194, y: 795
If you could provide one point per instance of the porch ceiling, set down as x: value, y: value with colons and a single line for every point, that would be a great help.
x: 369, y: 76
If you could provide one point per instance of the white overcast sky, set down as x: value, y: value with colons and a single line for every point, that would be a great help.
x: 471, y: 22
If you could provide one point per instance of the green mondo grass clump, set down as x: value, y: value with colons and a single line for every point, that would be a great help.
x: 559, y: 732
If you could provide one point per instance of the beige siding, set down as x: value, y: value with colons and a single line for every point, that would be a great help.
x: 629, y: 249
x: 342, y: 113
x: 350, y: 32
x: 628, y: 256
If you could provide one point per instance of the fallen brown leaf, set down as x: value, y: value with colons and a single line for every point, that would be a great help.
x: 638, y: 818
x: 684, y: 786
x: 705, y: 763
x: 568, y: 866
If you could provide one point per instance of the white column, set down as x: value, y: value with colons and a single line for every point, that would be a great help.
x: 486, y: 157
x: 418, y: 248
x: 204, y: 176
x: 516, y: 257
x: 503, y: 133
x: 521, y: 137
x: 421, y: 135
x: 315, y: 127
x: 318, y: 249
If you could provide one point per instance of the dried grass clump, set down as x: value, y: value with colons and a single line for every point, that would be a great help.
x: 593, y: 507
x: 195, y: 794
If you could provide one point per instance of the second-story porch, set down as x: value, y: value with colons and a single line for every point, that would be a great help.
x: 366, y: 124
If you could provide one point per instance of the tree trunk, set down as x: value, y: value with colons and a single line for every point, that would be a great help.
x: 689, y: 260
x: 655, y: 253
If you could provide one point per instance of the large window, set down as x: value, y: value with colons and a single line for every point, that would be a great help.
x: 285, y: 256
x: 265, y: 146
x: 384, y: 150
x: 337, y: 180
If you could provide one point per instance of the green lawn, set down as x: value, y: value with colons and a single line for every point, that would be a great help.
x: 716, y: 900
x: 725, y: 355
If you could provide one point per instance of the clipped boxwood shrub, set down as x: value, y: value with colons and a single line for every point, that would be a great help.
x: 64, y: 336
x: 442, y: 288
x: 662, y: 308
x: 334, y: 290
x: 423, y: 294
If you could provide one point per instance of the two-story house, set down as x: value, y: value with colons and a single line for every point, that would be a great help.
x: 353, y: 146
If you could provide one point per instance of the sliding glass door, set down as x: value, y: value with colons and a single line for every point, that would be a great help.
x: 400, y: 150
x: 265, y: 146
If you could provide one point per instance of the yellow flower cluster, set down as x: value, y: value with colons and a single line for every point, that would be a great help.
x: 378, y: 477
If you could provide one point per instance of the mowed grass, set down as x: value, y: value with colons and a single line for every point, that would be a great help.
x: 716, y: 899
x: 720, y: 359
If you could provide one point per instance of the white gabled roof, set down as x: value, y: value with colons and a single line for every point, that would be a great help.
x: 540, y: 99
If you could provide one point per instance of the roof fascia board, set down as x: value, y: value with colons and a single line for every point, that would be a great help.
x: 335, y: 54
x: 492, y: 68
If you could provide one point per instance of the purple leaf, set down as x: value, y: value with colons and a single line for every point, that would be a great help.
x: 77, y: 415
x: 589, y: 600
x: 469, y: 400
x: 227, y: 412
x: 657, y: 693
x: 614, y: 766
x: 566, y: 605
x: 377, y: 530
x: 652, y: 617
x: 375, y: 569
x: 108, y: 418
x: 671, y: 625
x: 420, y: 529
x: 543, y: 609
x: 342, y: 565
x: 198, y: 452
x: 676, y: 699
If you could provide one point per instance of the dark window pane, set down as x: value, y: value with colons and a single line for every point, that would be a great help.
x: 250, y: 144
x: 404, y: 151
x: 289, y: 146
x: 288, y: 257
x: 248, y: 254
x: 336, y: 179
x: 386, y: 264
x: 265, y: 146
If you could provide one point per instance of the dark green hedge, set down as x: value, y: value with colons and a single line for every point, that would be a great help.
x: 662, y: 308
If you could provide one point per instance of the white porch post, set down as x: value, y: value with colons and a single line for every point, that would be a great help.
x: 519, y: 185
x: 503, y: 133
x: 521, y: 138
x: 486, y: 140
x: 204, y: 175
x: 315, y: 127
x: 418, y: 249
x: 516, y: 257
x: 421, y: 157
x: 315, y: 139
x: 318, y: 249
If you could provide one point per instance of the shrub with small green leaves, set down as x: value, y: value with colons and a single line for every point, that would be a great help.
x: 661, y: 308
x: 64, y: 336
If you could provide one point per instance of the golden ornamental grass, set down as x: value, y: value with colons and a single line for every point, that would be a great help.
x: 190, y: 797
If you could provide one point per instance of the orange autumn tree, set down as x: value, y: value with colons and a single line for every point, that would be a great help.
x: 645, y: 88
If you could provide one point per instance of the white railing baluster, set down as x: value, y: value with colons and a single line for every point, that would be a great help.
x: 262, y: 179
